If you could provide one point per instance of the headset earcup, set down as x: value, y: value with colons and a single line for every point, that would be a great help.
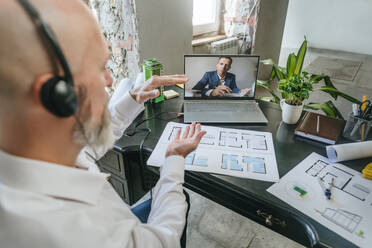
x: 59, y: 97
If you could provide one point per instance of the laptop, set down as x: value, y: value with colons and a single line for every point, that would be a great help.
x: 221, y: 89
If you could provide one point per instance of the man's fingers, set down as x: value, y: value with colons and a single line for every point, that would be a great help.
x: 168, y: 80
x: 178, y: 134
x: 192, y: 129
x: 227, y: 89
x: 199, y: 136
x: 186, y: 133
x: 149, y: 95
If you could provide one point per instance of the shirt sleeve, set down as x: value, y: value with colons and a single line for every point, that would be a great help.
x: 208, y: 93
x: 168, y: 210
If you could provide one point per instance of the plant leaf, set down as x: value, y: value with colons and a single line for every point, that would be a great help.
x: 300, y: 57
x: 314, y: 79
x: 337, y: 112
x: 328, y: 108
x: 291, y: 64
x: 280, y: 74
x: 272, y: 75
x: 266, y: 85
x: 334, y: 91
x: 267, y: 99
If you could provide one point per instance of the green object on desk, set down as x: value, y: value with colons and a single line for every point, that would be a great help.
x: 153, y: 67
x: 299, y: 190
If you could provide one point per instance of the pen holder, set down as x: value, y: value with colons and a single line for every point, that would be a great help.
x: 356, y: 128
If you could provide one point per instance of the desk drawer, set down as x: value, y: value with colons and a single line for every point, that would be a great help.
x: 113, y: 163
x: 120, y: 186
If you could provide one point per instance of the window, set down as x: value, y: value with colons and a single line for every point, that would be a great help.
x: 206, y: 16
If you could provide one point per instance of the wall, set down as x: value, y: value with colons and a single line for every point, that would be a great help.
x: 165, y: 31
x: 330, y: 24
x: 270, y: 27
x: 118, y: 25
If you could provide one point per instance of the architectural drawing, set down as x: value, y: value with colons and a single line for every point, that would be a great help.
x: 173, y: 133
x: 244, y: 140
x: 194, y: 159
x: 255, y: 164
x: 231, y: 162
x: 345, y: 219
x: 348, y: 212
x: 226, y: 151
x: 256, y: 142
x: 342, y: 179
x: 316, y: 168
x: 208, y: 139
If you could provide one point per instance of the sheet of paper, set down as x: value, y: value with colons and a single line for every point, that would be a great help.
x: 234, y: 152
x: 348, y: 212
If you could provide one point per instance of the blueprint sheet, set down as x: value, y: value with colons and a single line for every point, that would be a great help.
x: 348, y: 212
x: 234, y: 152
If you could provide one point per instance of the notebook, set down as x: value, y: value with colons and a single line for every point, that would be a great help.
x: 221, y: 89
x: 326, y: 130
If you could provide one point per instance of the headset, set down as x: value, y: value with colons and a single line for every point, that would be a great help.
x: 57, y: 94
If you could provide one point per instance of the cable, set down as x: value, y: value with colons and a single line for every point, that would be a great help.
x: 133, y: 132
x: 142, y: 164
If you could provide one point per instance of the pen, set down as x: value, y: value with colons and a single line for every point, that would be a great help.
x: 317, y: 124
x: 364, y: 101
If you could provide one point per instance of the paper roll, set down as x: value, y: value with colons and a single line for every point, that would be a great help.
x: 337, y: 153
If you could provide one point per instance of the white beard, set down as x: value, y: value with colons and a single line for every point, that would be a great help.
x: 99, y: 137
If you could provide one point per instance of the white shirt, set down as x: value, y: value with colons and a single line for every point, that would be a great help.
x: 48, y: 205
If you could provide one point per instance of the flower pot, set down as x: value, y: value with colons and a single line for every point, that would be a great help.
x: 290, y: 113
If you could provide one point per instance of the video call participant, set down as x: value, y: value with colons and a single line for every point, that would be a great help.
x: 220, y: 82
x: 52, y: 105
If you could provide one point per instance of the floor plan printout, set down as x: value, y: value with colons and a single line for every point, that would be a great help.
x: 348, y: 212
x: 234, y: 152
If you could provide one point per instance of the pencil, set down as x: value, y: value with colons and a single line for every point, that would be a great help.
x: 362, y: 132
x: 317, y: 124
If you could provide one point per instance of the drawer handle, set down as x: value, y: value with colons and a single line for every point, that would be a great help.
x: 269, y: 219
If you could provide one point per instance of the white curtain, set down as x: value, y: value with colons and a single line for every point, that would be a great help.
x: 240, y: 20
x: 118, y: 23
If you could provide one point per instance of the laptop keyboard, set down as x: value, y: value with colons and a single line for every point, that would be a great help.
x: 221, y: 107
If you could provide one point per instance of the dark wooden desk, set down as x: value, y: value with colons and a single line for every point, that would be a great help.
x: 244, y: 196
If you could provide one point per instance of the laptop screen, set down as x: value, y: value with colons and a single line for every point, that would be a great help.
x: 221, y: 76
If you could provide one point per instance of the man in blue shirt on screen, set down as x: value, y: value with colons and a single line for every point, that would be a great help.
x: 220, y: 82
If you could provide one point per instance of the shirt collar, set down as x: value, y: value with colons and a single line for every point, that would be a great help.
x: 219, y: 77
x: 51, y: 179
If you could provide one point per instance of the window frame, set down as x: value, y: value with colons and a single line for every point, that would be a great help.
x: 209, y: 27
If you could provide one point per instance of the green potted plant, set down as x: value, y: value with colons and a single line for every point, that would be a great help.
x: 296, y: 86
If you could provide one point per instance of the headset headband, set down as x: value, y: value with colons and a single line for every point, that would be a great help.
x: 47, y: 33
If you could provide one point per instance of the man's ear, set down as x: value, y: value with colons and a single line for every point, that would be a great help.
x: 38, y: 83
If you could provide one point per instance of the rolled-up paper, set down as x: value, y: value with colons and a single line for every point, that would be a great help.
x: 337, y: 153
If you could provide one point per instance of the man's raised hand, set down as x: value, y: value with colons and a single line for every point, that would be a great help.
x: 189, y: 141
x: 147, y: 90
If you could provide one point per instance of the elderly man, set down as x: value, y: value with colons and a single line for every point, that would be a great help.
x: 52, y: 105
x: 220, y: 82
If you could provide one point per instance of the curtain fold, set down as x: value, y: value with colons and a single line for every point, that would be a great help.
x: 240, y: 20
